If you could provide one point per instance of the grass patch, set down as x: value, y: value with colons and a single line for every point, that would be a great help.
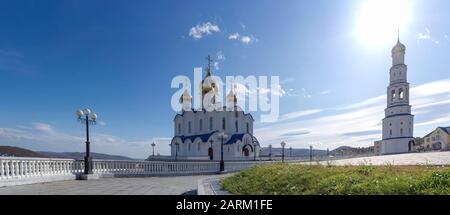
x: 284, y: 179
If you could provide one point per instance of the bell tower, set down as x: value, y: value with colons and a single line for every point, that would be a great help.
x: 398, y: 123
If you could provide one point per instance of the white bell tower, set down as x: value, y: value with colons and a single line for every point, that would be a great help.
x: 398, y: 124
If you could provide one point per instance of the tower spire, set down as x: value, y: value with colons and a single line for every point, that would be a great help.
x: 398, y: 35
x: 209, y: 65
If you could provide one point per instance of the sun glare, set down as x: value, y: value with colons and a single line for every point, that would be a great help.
x: 378, y: 21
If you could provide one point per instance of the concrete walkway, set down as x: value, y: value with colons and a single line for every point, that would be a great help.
x: 112, y: 186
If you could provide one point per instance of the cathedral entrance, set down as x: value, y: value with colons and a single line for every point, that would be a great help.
x: 246, y: 150
x: 411, y: 145
x: 211, y: 153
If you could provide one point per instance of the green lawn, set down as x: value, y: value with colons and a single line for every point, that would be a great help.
x: 284, y: 179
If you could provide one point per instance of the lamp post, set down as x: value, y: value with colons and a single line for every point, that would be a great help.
x: 88, y: 118
x: 283, y: 144
x: 310, y: 153
x: 254, y: 152
x: 270, y: 152
x: 176, y: 150
x: 153, y: 149
x: 222, y: 135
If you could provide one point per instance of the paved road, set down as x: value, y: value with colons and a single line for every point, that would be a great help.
x: 432, y: 158
x: 112, y: 186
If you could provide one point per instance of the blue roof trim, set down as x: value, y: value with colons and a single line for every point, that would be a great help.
x: 234, y: 138
x: 203, y: 137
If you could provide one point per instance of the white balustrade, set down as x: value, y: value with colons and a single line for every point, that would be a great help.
x: 15, y: 168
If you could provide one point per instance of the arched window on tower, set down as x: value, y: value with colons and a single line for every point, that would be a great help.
x: 210, y: 123
x: 198, y: 147
x: 236, y: 126
x: 401, y: 94
x: 179, y: 129
x: 248, y: 128
x: 401, y: 131
x: 392, y: 95
x: 189, y: 146
x: 201, y: 124
x: 189, y: 127
x: 390, y: 132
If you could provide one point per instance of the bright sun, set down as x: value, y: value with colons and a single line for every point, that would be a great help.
x: 378, y: 21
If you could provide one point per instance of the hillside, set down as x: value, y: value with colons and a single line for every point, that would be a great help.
x: 11, y: 151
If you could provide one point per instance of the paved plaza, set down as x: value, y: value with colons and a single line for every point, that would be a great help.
x: 112, y: 186
x: 431, y: 158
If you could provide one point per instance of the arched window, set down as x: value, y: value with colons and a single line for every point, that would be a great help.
x: 236, y: 125
x: 392, y: 95
x: 248, y: 128
x: 390, y: 132
x: 238, y: 147
x: 189, y: 127
x: 200, y: 124
x: 401, y: 131
x: 198, y: 147
x: 401, y: 94
x: 224, y: 124
x: 210, y: 123
x: 179, y: 129
x: 189, y: 146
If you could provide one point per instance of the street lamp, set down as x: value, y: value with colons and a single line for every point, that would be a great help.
x: 88, y: 118
x: 222, y: 135
x: 176, y: 150
x: 283, y: 144
x: 153, y: 149
x: 254, y: 152
x: 270, y: 152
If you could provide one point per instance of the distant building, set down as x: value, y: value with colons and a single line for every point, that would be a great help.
x: 377, y: 147
x: 439, y: 139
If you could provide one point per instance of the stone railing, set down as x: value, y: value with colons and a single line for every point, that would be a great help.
x: 17, y: 170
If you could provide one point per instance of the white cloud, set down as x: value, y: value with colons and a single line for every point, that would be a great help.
x: 234, y: 36
x: 357, y: 124
x: 324, y: 92
x: 220, y: 57
x: 427, y: 36
x: 207, y: 28
x: 247, y: 39
x: 242, y: 38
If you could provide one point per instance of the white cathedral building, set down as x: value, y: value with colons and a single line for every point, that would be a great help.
x: 198, y: 131
x: 398, y: 124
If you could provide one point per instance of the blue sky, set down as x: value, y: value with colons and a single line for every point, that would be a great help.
x: 119, y: 58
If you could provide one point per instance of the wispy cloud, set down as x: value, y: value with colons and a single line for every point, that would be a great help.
x: 426, y: 35
x: 206, y: 28
x: 220, y: 57
x: 245, y: 39
x: 233, y: 36
x: 324, y: 92
x: 357, y: 124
